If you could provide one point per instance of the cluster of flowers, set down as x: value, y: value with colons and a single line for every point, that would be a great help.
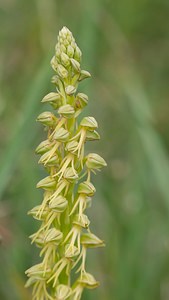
x: 64, y: 234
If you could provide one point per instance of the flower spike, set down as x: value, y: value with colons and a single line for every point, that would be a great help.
x: 64, y: 235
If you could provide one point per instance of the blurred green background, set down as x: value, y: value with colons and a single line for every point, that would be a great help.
x: 125, y: 46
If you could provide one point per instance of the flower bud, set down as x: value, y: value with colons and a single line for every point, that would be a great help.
x: 92, y: 135
x: 89, y: 122
x: 88, y: 281
x: 66, y: 43
x: 47, y: 118
x: 86, y: 188
x: 66, y: 33
x: 81, y: 220
x: 54, y: 63
x: 57, y: 53
x: 71, y: 251
x: 95, y: 161
x: 73, y: 44
x: 63, y: 292
x: 58, y: 204
x: 55, y: 79
x: 43, y: 147
x: 84, y: 75
x: 66, y: 111
x: 70, y: 174
x: 77, y: 54
x: 81, y: 100
x: 71, y: 146
x: 61, y: 135
x: 75, y: 65
x: 53, y: 235
x: 70, y: 51
x: 65, y: 59
x: 90, y: 240
x: 70, y: 90
x: 63, y: 48
x: 47, y: 183
x: 62, y: 72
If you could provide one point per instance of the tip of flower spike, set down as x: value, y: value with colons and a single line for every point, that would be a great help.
x: 66, y: 49
x: 65, y: 30
x: 64, y: 34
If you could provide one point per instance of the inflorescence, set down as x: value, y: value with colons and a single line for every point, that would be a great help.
x: 64, y: 235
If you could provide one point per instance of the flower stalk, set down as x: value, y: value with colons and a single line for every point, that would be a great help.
x: 64, y: 235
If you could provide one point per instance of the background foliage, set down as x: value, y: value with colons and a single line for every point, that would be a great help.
x: 125, y: 46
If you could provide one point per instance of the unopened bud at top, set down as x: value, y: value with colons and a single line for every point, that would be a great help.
x: 54, y: 63
x: 75, y: 65
x: 65, y: 37
x: 70, y: 51
x: 66, y: 44
x: 65, y: 59
x: 78, y: 54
